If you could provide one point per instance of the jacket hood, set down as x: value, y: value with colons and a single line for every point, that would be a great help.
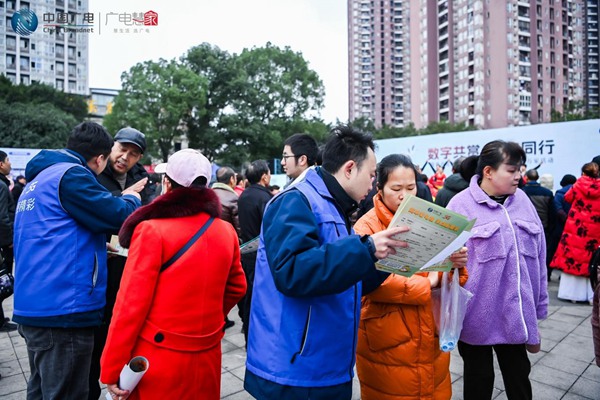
x: 456, y: 183
x: 179, y: 203
x: 588, y: 187
x: 47, y: 158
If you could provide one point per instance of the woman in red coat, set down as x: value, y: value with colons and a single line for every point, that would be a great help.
x: 175, y: 317
x: 580, y: 237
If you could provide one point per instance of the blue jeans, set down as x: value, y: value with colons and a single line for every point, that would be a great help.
x: 59, y: 359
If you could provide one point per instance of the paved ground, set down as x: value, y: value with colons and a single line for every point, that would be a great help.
x: 564, y: 369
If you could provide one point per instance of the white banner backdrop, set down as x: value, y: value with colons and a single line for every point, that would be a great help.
x: 561, y: 148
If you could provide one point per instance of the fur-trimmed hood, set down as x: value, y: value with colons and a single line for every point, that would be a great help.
x: 181, y: 202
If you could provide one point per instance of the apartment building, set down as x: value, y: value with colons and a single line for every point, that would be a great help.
x: 58, y: 58
x: 485, y: 63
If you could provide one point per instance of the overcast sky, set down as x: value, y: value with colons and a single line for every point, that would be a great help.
x: 316, y: 28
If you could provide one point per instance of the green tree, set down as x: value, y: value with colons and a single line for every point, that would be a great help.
x: 574, y: 111
x: 157, y: 98
x: 208, y: 130
x: 30, y: 125
x: 39, y: 93
x: 279, y: 95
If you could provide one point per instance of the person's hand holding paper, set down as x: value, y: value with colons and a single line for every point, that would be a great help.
x: 386, y: 244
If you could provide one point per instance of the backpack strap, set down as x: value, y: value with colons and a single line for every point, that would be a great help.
x: 189, y: 244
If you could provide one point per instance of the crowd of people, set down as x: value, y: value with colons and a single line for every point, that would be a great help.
x: 312, y: 303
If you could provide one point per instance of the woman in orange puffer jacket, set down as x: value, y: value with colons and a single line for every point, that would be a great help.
x: 398, y: 353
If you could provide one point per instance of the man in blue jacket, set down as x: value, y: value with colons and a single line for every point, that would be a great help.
x: 309, y: 278
x: 61, y: 222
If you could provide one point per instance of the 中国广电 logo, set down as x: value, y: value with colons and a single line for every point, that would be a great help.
x: 24, y: 22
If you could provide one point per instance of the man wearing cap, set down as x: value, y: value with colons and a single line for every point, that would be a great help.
x: 182, y: 277
x: 122, y: 171
x: 61, y: 223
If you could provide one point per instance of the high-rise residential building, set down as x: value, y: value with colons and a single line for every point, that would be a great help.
x: 485, y: 63
x: 592, y: 66
x: 58, y: 58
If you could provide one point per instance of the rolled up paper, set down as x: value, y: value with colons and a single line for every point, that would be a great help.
x: 132, y: 373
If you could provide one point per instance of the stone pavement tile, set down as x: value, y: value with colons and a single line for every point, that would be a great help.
x: 577, y: 347
x: 552, y: 324
x: 227, y: 346
x: 234, y: 359
x: 553, y: 377
x: 457, y: 389
x: 592, y: 373
x: 237, y: 339
x: 230, y: 384
x: 573, y: 396
x: 9, y: 368
x: 16, y: 396
x: 548, y: 344
x: 5, y: 342
x: 21, y: 352
x: 17, y: 341
x: 586, y: 387
x: 546, y: 392
x: 456, y: 363
x: 239, y: 372
x: 536, y: 357
x: 454, y: 377
x: 564, y: 364
x: 24, y: 362
x: 584, y: 330
x: 355, y: 387
x: 580, y: 310
x: 561, y: 316
x: 239, y: 396
x: 552, y: 334
x: 12, y: 384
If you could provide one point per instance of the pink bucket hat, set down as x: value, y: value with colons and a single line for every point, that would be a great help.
x: 185, y: 166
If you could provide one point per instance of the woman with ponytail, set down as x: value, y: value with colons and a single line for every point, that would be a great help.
x: 507, y: 274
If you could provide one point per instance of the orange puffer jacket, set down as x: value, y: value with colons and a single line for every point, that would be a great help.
x: 398, y: 353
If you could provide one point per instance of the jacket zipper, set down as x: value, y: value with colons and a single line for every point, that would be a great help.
x: 304, y: 337
x: 518, y: 271
x: 94, y: 273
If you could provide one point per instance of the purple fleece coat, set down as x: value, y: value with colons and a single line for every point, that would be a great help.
x: 507, y: 268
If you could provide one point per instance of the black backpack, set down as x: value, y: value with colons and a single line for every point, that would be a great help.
x: 593, y: 268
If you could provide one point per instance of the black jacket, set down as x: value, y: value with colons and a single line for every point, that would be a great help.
x: 17, y: 190
x: 452, y: 185
x: 135, y: 174
x: 251, y: 206
x: 7, y: 213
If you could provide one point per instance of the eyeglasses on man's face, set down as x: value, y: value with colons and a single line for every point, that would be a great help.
x: 286, y: 156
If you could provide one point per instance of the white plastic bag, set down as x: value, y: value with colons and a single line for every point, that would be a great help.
x: 449, y: 309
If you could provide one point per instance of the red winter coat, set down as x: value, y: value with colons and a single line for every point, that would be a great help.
x: 581, y: 235
x: 175, y: 318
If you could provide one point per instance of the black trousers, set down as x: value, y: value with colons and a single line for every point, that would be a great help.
x: 248, y: 265
x: 478, y: 374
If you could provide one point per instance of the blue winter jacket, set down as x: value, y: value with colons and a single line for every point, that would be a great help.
x: 307, y: 290
x: 61, y: 222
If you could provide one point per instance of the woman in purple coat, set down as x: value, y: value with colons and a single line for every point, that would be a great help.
x: 507, y: 275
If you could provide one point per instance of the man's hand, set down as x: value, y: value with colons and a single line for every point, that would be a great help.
x: 116, y: 393
x: 385, y: 244
x: 136, y: 188
x: 459, y: 258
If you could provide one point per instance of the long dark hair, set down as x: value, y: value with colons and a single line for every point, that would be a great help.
x: 390, y: 163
